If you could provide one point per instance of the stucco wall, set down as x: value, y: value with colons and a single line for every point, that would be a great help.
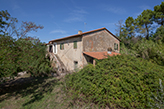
x: 99, y: 41
x: 93, y: 42
x: 69, y: 54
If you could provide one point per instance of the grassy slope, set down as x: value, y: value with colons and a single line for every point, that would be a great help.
x: 38, y: 93
x: 35, y: 93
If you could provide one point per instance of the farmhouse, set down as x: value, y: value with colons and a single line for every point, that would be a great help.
x: 76, y: 51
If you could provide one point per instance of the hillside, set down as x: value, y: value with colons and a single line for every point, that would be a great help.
x: 117, y: 82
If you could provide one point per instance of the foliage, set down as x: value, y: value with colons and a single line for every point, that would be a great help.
x: 7, y: 23
x: 144, y: 22
x: 129, y: 26
x: 159, y: 34
x: 22, y: 55
x: 118, y: 82
x: 158, y: 98
x: 27, y: 27
x: 3, y: 15
x: 146, y: 49
x: 159, y: 13
x: 144, y: 25
x: 144, y: 43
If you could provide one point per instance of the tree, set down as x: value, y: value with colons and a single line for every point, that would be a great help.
x: 119, y: 27
x: 129, y: 26
x: 8, y: 26
x: 159, y: 14
x: 159, y: 34
x: 22, y: 54
x: 7, y: 23
x: 27, y: 27
x: 144, y: 23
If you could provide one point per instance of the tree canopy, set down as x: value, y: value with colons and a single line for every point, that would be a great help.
x: 24, y: 53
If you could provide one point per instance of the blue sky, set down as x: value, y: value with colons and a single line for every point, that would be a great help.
x: 62, y: 18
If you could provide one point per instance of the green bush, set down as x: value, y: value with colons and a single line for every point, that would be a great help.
x: 25, y: 54
x: 146, y: 49
x: 158, y: 97
x: 117, y: 82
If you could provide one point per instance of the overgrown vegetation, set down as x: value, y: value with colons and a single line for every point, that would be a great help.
x: 127, y: 81
x: 158, y: 97
x: 118, y: 82
x: 23, y: 53
x: 144, y: 36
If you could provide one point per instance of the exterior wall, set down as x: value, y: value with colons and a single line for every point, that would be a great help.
x: 92, y: 42
x: 69, y: 54
x: 99, y: 41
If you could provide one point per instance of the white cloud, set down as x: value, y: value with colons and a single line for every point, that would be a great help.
x: 114, y: 9
x: 58, y: 31
x: 15, y: 6
x: 144, y: 7
x: 73, y: 19
x: 76, y: 16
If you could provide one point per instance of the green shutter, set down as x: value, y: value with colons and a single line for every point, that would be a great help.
x: 61, y: 46
x: 115, y: 46
x: 75, y: 44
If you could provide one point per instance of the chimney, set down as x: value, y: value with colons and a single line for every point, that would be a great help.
x: 80, y: 32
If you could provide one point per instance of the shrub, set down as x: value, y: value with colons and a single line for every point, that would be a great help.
x: 158, y: 97
x: 117, y: 82
x: 22, y: 55
x: 146, y: 49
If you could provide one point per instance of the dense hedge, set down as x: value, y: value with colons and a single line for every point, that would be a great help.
x: 118, y: 82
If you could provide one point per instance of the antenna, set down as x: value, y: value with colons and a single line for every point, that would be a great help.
x: 85, y: 26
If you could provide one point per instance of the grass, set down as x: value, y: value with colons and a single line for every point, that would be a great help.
x: 38, y: 93
x: 34, y: 93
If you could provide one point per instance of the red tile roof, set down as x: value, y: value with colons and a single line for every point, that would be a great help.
x: 76, y: 35
x: 100, y: 55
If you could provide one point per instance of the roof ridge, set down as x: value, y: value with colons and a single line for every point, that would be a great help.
x: 83, y: 34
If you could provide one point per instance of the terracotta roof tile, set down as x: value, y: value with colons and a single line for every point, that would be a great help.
x: 100, y: 55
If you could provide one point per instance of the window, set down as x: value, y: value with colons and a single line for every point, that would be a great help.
x: 75, y: 65
x: 75, y: 45
x: 62, y: 46
x: 50, y: 48
x: 115, y: 46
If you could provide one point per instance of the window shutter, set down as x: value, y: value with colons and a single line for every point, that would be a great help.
x: 115, y: 46
x: 62, y: 46
x: 75, y: 44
